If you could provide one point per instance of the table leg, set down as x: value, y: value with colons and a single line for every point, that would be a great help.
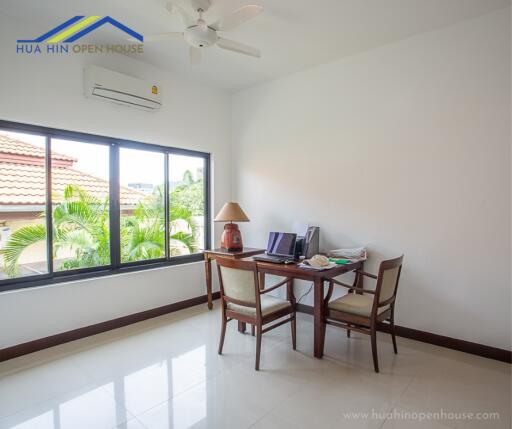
x: 361, y: 278
x: 290, y: 292
x: 358, y: 279
x: 319, y: 329
x: 208, y: 272
x: 261, y: 277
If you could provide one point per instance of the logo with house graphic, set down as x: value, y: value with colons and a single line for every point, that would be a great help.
x: 62, y: 38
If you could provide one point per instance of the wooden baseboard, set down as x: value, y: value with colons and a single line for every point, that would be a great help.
x: 440, y: 340
x: 76, y: 334
x: 86, y: 331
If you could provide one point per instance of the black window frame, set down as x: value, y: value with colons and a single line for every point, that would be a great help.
x: 115, y: 267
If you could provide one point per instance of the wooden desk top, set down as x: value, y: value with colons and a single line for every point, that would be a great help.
x: 238, y: 254
x: 284, y: 270
x: 292, y: 270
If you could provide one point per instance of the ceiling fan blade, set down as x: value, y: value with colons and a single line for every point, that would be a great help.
x: 238, y: 17
x: 194, y: 56
x: 231, y: 45
x: 161, y: 36
x: 175, y: 8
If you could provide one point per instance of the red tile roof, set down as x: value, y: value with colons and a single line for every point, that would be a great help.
x: 24, y: 183
x: 15, y: 146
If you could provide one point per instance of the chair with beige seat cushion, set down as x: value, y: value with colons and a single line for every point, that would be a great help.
x: 362, y: 310
x: 244, y: 300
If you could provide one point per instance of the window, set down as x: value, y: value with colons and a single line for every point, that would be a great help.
x: 23, y: 243
x: 80, y: 204
x: 74, y: 205
x: 142, y: 205
x: 186, y: 204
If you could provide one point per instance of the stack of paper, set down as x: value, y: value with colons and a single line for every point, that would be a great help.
x: 356, y: 254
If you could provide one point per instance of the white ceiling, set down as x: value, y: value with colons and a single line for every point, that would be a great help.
x: 293, y: 34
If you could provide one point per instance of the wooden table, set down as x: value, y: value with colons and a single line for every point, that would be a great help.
x: 223, y: 253
x: 318, y: 278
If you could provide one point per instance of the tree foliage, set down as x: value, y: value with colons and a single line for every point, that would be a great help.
x: 81, y: 228
x: 189, y: 194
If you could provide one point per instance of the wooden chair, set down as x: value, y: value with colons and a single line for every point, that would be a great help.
x: 362, y: 310
x: 244, y: 300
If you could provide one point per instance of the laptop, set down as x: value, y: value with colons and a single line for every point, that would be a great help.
x: 280, y: 248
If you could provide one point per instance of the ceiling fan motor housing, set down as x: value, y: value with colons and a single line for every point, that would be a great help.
x: 203, y: 5
x: 199, y: 37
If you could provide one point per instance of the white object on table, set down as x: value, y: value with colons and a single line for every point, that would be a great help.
x: 354, y: 253
x: 310, y: 267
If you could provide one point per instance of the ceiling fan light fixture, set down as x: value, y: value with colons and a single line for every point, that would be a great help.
x: 199, y: 38
x: 199, y: 34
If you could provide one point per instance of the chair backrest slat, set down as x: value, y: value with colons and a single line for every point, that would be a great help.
x: 239, y: 281
x: 387, y: 280
x: 238, y: 284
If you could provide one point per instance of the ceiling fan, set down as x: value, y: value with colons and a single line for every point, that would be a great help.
x: 199, y: 34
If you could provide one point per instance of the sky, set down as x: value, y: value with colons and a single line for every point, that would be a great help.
x: 136, y: 166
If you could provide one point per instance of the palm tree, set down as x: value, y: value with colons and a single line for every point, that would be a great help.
x: 81, y: 227
x: 182, y: 240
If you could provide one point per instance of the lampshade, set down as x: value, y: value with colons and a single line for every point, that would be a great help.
x: 231, y: 212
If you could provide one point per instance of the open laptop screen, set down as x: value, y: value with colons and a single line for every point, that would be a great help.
x: 281, y: 243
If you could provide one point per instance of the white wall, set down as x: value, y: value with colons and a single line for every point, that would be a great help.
x: 47, y: 90
x: 404, y: 149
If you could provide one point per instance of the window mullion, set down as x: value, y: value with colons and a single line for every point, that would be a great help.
x: 207, y: 205
x: 48, y: 203
x: 167, y: 207
x: 114, y: 208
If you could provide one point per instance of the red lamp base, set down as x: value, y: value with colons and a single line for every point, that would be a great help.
x: 231, y: 238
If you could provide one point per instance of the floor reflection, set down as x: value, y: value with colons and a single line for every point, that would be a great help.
x: 45, y: 420
x: 145, y: 388
x: 188, y: 411
x: 167, y: 374
x: 115, y: 403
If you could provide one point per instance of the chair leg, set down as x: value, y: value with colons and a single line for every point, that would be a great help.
x: 324, y: 330
x: 252, y: 330
x: 293, y: 324
x: 258, y: 347
x: 348, y: 332
x: 374, y: 349
x: 392, y: 325
x: 222, y: 334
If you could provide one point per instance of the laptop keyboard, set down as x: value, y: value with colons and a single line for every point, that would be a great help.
x: 275, y: 259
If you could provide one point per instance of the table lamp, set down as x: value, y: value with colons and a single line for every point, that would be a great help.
x: 231, y: 238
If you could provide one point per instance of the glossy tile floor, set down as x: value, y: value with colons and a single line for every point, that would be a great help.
x: 165, y: 373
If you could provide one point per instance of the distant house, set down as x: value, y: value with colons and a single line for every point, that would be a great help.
x: 147, y: 188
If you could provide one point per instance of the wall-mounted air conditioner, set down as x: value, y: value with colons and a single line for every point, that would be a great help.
x: 107, y: 85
